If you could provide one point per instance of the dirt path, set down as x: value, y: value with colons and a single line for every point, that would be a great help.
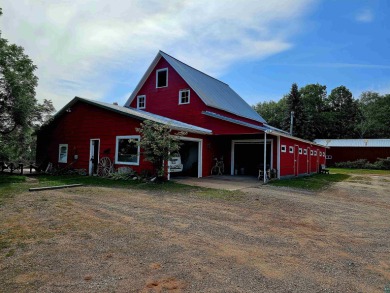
x: 268, y: 240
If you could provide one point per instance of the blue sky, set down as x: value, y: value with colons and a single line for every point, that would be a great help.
x: 100, y: 50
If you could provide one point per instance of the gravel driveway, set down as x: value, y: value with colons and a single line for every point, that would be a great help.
x: 267, y: 239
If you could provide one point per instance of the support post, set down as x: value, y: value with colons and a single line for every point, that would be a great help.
x: 291, y: 122
x: 265, y: 158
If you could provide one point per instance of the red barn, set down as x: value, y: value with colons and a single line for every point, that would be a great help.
x: 343, y: 150
x: 220, y: 124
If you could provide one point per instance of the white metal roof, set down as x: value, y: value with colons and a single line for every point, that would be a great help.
x: 213, y: 92
x: 142, y: 115
x: 362, y: 142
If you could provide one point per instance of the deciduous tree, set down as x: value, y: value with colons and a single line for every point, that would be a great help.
x: 158, y: 144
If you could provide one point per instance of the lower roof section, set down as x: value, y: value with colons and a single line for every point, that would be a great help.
x: 138, y: 114
x: 265, y: 128
x: 361, y: 142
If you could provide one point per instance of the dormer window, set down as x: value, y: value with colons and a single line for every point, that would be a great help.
x: 141, y: 102
x: 184, y: 97
x: 162, y: 78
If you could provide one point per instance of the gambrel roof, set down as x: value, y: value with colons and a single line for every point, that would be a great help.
x: 213, y: 92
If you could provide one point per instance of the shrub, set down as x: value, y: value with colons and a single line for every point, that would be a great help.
x: 381, y: 164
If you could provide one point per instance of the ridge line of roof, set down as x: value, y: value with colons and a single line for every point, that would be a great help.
x: 160, y: 51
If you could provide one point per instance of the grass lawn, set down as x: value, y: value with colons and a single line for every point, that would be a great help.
x: 359, y: 171
x: 14, y: 184
x: 314, y: 182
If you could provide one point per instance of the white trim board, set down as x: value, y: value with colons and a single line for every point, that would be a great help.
x: 116, y: 150
x: 90, y: 171
x: 200, y: 151
x: 249, y: 141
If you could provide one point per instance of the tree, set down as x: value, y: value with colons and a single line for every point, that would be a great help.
x: 158, y: 144
x: 17, y: 87
x: 313, y: 98
x: 294, y: 104
x: 20, y: 113
x: 342, y: 114
x: 273, y: 112
x: 374, y: 120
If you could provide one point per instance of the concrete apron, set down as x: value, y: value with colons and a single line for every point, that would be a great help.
x: 224, y: 182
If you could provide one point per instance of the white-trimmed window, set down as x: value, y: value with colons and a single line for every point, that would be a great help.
x: 311, y: 152
x: 320, y: 154
x: 126, y: 150
x: 141, y: 102
x: 305, y: 152
x: 184, y: 97
x: 291, y: 149
x: 323, y: 154
x: 63, y: 153
x: 283, y: 148
x: 315, y: 153
x: 329, y: 157
x: 300, y: 151
x: 162, y: 77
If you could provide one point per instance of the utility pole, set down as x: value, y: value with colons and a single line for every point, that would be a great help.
x: 291, y: 123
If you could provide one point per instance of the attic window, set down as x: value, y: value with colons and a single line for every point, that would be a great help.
x: 305, y: 152
x: 300, y: 151
x: 184, y: 96
x: 141, y: 102
x: 291, y: 149
x: 162, y: 78
x: 283, y: 148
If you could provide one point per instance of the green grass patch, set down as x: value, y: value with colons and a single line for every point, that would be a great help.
x: 359, y: 171
x: 314, y: 182
x: 14, y: 185
x: 8, y: 179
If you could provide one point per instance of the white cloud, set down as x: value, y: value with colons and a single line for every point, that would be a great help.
x: 365, y: 15
x: 91, y: 48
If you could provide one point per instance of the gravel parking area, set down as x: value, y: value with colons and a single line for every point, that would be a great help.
x: 266, y: 239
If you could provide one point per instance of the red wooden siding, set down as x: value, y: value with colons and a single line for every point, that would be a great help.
x: 86, y: 122
x: 344, y: 154
x: 83, y: 123
x: 165, y: 102
x: 304, y: 162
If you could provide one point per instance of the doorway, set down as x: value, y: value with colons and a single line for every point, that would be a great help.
x: 94, y: 148
x: 296, y: 160
x: 247, y: 156
x: 190, y: 155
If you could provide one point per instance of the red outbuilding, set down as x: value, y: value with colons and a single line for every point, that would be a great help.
x: 219, y: 123
x: 344, y: 150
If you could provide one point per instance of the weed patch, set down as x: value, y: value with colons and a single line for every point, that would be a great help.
x: 314, y: 182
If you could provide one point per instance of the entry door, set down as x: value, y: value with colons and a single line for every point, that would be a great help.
x: 94, y: 156
x: 296, y: 160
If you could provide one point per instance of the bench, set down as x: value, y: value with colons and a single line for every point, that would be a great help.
x: 323, y: 169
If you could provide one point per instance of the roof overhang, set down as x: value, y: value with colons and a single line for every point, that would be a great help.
x: 136, y: 114
x: 266, y: 128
